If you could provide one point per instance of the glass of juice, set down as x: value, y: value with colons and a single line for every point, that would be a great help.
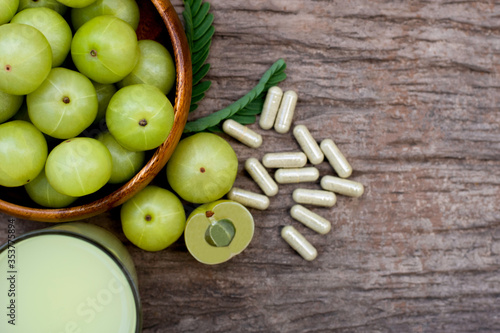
x: 70, y: 278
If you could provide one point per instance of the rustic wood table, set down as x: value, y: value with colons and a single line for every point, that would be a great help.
x: 409, y: 91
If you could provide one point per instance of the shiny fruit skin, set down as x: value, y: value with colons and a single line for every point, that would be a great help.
x: 9, y: 105
x: 23, y: 152
x: 64, y: 105
x: 155, y: 67
x: 78, y: 166
x: 9, y: 9
x: 202, y: 168
x: 53, y: 26
x: 126, y: 163
x: 153, y: 219
x: 140, y: 117
x: 105, y: 49
x: 127, y: 10
x: 19, y: 42
x: 41, y: 192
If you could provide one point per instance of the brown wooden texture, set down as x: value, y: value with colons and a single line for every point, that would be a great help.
x: 409, y: 92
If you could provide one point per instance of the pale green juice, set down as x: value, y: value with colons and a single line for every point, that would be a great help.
x: 62, y: 283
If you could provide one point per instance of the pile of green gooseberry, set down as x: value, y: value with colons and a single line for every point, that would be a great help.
x: 69, y: 66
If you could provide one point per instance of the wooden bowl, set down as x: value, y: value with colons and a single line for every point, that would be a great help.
x: 159, y: 21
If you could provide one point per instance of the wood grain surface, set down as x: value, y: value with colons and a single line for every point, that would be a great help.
x: 409, y: 91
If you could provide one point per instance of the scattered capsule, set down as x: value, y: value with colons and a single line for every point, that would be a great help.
x: 285, y: 113
x: 242, y: 133
x: 248, y: 198
x: 336, y: 159
x: 342, y: 186
x: 310, y: 219
x: 308, y: 144
x: 284, y: 160
x: 260, y: 175
x: 298, y: 242
x: 296, y: 175
x: 314, y: 197
x: 270, y: 108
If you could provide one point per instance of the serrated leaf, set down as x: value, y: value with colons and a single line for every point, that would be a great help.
x: 203, y: 27
x: 201, y: 88
x: 201, y: 73
x: 205, y: 39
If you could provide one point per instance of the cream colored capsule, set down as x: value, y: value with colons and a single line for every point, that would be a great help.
x: 242, y: 133
x: 248, y: 198
x: 285, y: 113
x: 270, y: 108
x: 296, y: 175
x: 308, y: 144
x: 310, y: 219
x: 314, y: 197
x: 342, y: 186
x: 337, y: 160
x: 260, y: 175
x: 284, y: 160
x: 299, y: 243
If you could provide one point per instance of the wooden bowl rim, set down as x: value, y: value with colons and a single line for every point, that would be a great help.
x: 160, y: 157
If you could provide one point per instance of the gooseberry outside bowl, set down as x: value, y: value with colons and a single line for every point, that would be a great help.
x: 159, y: 21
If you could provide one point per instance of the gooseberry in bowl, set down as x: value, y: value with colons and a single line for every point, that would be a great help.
x: 160, y: 22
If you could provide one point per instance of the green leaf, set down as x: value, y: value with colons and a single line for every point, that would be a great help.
x: 197, y: 65
x: 205, y: 39
x: 201, y: 88
x: 199, y: 32
x: 214, y: 119
x: 202, y: 28
x: 197, y: 98
x: 195, y: 6
x: 202, y: 54
x: 200, y: 16
x: 244, y: 120
x: 201, y: 73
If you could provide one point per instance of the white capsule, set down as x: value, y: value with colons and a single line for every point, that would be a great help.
x: 342, y: 186
x: 260, y: 175
x: 298, y: 242
x: 284, y: 160
x: 296, y: 175
x: 285, y: 112
x: 248, y: 198
x: 308, y: 144
x: 270, y: 108
x: 242, y: 133
x: 310, y: 219
x: 314, y: 197
x: 336, y: 159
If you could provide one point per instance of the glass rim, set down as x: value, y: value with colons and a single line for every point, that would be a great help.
x: 49, y: 231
